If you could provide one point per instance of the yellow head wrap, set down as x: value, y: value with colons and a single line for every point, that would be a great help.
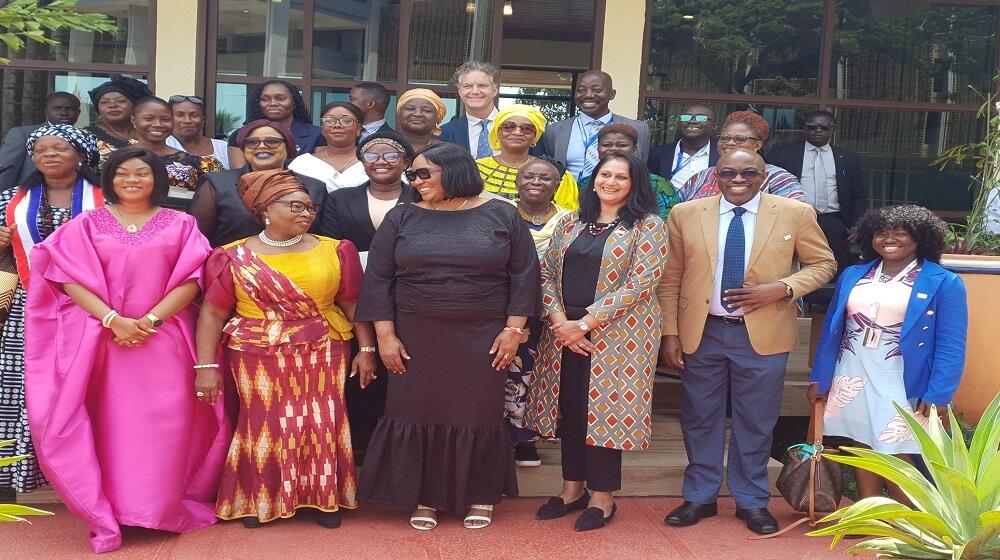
x: 527, y: 111
x: 423, y: 93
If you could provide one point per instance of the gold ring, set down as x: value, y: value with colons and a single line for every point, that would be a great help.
x: 506, y: 356
x: 199, y: 394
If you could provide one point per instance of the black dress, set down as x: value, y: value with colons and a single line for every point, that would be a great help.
x: 448, y: 280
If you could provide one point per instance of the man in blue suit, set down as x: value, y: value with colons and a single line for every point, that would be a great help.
x: 478, y: 85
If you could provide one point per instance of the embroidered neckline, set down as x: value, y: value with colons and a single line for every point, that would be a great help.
x: 106, y: 223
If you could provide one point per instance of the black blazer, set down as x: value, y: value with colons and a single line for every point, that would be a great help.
x: 850, y: 182
x: 346, y: 216
x: 661, y: 158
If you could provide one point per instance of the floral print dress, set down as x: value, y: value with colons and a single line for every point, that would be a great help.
x: 867, y: 380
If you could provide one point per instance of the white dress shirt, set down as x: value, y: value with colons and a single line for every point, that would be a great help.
x: 368, y: 129
x: 695, y: 163
x: 476, y: 128
x: 749, y: 225
x: 577, y: 150
x: 821, y: 192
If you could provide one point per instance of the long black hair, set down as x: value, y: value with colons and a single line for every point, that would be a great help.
x: 641, y: 200
x: 299, y: 113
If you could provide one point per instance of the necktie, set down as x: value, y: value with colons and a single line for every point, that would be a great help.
x: 732, y: 263
x: 591, y: 157
x: 483, y: 149
x: 819, y: 181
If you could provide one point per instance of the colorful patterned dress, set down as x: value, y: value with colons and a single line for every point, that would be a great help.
x: 288, y: 350
x: 866, y: 380
x: 106, y: 142
x: 184, y: 171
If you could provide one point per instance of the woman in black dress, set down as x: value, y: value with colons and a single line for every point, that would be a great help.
x: 450, y: 283
x: 354, y: 213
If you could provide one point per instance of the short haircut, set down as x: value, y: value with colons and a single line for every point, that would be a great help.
x: 619, y: 128
x: 641, y: 200
x: 353, y: 109
x: 377, y: 92
x: 751, y: 119
x: 460, y: 174
x: 477, y: 66
x: 926, y: 229
x: 161, y: 181
x: 149, y: 100
x: 61, y: 94
x: 813, y: 114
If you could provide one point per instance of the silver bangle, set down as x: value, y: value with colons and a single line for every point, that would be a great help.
x: 108, y: 317
x: 206, y: 366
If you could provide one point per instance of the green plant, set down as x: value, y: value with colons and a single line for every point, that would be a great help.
x: 26, y: 19
x: 954, y: 516
x: 14, y: 512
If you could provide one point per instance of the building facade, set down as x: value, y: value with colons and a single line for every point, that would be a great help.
x: 904, y: 77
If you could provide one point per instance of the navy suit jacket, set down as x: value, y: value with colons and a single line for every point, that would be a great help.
x: 932, y: 339
x: 661, y: 158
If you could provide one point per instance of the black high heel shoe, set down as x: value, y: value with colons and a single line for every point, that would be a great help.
x: 556, y: 507
x: 328, y: 519
x: 593, y: 518
x: 250, y: 522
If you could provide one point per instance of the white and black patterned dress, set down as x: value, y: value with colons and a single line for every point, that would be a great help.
x: 23, y: 476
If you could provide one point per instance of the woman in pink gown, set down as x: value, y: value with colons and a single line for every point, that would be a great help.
x: 110, y: 347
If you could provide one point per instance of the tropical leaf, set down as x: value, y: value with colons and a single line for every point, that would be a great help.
x: 892, y: 548
x: 14, y: 512
x: 960, y: 460
x: 988, y: 485
x: 986, y: 438
x: 4, y: 461
x: 901, y: 473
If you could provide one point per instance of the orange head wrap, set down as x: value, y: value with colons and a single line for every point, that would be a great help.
x: 427, y: 95
x: 258, y: 189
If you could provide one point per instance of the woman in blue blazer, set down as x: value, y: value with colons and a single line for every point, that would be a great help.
x: 895, y: 332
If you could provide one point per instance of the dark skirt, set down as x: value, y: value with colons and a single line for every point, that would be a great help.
x: 365, y: 406
x: 442, y: 442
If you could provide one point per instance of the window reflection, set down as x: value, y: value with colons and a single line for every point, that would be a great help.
x: 356, y: 40
x: 446, y: 33
x: 260, y: 38
x: 230, y: 107
x: 661, y: 115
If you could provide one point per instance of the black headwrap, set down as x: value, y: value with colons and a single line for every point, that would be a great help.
x: 131, y: 88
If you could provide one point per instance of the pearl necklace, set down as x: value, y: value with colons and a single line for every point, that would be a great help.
x: 286, y: 243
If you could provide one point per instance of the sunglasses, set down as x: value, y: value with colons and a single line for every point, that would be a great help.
x: 737, y: 139
x: 298, y: 207
x: 180, y: 98
x: 695, y: 118
x: 389, y: 157
x: 269, y: 143
x: 422, y: 173
x: 509, y: 127
x: 813, y: 126
x: 342, y: 121
x: 748, y: 174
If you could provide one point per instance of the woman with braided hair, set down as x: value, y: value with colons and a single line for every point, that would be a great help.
x: 281, y: 102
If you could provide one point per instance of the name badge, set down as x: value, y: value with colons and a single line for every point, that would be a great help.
x: 921, y: 295
x: 870, y: 337
x: 788, y: 236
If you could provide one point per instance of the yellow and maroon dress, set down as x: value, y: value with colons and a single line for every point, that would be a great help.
x: 287, y: 349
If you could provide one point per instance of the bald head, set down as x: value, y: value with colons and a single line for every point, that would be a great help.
x: 593, y: 93
x: 740, y: 155
x: 741, y: 174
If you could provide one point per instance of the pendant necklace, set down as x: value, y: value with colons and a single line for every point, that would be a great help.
x: 130, y: 227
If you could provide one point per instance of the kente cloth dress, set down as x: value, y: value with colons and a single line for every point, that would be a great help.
x: 288, y: 350
x: 866, y: 381
x: 118, y: 430
x: 448, y: 280
x: 501, y: 180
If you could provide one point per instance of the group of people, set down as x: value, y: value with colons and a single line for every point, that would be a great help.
x: 426, y: 302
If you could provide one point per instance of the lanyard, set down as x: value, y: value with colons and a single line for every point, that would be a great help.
x: 681, y: 164
x: 873, y: 306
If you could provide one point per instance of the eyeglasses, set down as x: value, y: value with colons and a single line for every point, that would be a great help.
x: 695, y: 118
x: 269, y: 143
x: 737, y: 139
x: 422, y: 173
x: 748, y: 174
x: 298, y: 207
x: 342, y: 121
x: 174, y: 99
x: 527, y: 128
x: 389, y: 157
x: 814, y: 126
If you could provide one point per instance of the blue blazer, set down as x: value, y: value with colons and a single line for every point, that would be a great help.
x: 932, y: 339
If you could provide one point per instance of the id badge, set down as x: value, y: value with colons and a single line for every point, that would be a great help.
x: 870, y: 337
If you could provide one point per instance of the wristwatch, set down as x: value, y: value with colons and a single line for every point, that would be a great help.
x: 583, y: 325
x: 157, y: 322
x: 368, y: 349
x: 788, y: 292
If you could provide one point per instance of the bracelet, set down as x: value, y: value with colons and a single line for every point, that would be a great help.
x: 517, y: 330
x: 110, y: 316
x: 369, y: 349
x: 206, y: 366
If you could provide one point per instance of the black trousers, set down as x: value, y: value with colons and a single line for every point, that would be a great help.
x: 835, y: 230
x: 599, y: 467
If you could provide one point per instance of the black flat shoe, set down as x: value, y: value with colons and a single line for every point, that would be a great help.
x: 758, y: 520
x: 593, y: 518
x: 556, y: 507
x: 328, y: 519
x: 250, y: 522
x: 689, y: 513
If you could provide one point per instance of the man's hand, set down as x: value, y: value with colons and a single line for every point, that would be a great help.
x: 671, y: 353
x: 750, y: 297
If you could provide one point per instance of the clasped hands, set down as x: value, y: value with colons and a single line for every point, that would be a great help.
x: 571, y: 336
x: 131, y: 332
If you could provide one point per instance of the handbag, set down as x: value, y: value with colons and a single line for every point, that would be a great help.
x: 8, y: 282
x: 808, y: 483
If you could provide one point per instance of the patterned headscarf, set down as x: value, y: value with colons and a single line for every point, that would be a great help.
x: 423, y: 93
x: 83, y: 141
x: 527, y: 111
x: 131, y: 88
x: 258, y: 189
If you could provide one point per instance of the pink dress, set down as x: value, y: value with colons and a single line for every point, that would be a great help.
x: 118, y: 430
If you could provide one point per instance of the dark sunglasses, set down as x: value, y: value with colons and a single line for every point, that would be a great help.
x: 509, y: 127
x: 422, y: 173
x: 389, y: 157
x: 180, y: 98
x: 737, y: 139
x: 748, y: 174
x: 298, y: 207
x: 269, y: 143
x: 813, y: 126
x: 695, y: 118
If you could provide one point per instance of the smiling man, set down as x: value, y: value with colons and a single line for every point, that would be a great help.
x: 16, y: 167
x: 574, y: 140
x: 729, y: 321
x: 692, y: 152
x: 478, y: 85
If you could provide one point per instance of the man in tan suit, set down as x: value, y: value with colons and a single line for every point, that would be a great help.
x: 729, y: 321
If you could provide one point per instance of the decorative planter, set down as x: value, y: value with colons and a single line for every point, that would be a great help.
x: 981, y: 379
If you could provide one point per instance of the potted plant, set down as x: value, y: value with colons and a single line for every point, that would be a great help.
x: 14, y: 512
x: 955, y: 515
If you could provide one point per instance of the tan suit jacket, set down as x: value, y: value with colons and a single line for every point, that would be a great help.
x: 786, y: 233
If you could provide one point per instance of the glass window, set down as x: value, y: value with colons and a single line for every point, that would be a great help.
x: 230, y: 107
x: 910, y: 50
x: 548, y: 34
x: 128, y: 46
x: 260, y: 38
x: 661, y: 115
x: 446, y: 33
x: 23, y: 93
x: 736, y: 46
x: 550, y: 91
x: 356, y: 40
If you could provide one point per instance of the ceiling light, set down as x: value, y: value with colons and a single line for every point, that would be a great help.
x: 508, y: 8
x: 470, y: 7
